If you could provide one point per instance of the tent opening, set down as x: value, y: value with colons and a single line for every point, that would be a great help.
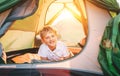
x: 68, y: 20
x: 67, y: 16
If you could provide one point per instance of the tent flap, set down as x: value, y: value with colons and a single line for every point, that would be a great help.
x: 6, y: 4
x: 23, y: 10
x: 20, y: 11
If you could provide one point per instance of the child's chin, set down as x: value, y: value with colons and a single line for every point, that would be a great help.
x: 52, y: 45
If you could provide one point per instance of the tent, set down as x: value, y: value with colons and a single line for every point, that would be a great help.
x: 32, y: 28
x: 23, y: 31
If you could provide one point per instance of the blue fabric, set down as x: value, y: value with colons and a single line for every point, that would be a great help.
x: 4, y: 28
x: 0, y: 49
x: 24, y: 9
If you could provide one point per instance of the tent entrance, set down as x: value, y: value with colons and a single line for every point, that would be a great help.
x: 67, y: 18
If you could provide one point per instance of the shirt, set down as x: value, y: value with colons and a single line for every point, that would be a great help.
x: 60, y: 51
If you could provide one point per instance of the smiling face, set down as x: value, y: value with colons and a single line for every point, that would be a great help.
x: 49, y: 37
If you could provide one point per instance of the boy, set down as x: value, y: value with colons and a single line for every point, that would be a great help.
x: 52, y: 49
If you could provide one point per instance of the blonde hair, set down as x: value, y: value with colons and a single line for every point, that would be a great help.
x: 47, y: 29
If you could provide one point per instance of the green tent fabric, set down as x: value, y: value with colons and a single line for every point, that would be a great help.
x: 110, y: 5
x: 109, y: 55
x: 6, y: 4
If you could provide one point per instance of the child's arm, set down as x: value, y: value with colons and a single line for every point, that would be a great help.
x: 67, y: 57
x: 44, y: 58
x: 63, y: 58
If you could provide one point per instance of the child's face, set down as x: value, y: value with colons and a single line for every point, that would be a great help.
x: 50, y: 39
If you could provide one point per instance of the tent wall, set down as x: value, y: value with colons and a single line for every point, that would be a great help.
x: 21, y: 34
x: 43, y: 9
x: 17, y: 39
x: 82, y: 9
x: 31, y: 21
x: 26, y: 24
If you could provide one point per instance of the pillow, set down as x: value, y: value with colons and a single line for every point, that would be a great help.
x: 74, y: 50
x: 26, y: 58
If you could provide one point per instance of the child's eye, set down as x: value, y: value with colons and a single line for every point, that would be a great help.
x: 53, y: 35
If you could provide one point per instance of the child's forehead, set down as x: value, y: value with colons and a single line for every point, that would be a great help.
x: 49, y: 32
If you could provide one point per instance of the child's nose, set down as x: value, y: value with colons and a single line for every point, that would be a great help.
x: 51, y: 38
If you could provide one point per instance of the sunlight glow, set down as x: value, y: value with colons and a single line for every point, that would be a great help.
x: 64, y: 15
x: 118, y: 1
